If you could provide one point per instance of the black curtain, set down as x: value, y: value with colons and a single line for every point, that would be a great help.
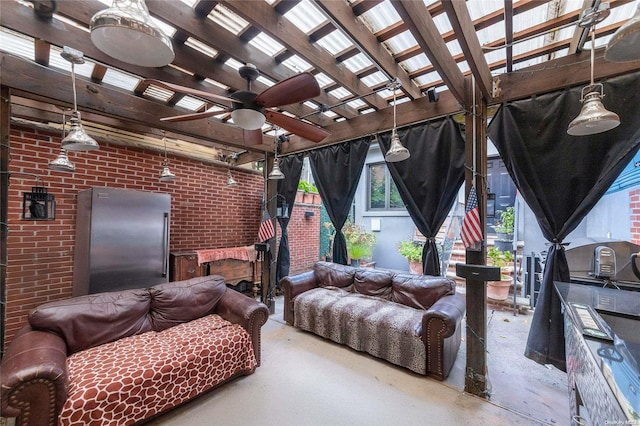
x: 291, y: 167
x: 336, y: 170
x: 429, y: 180
x: 561, y: 177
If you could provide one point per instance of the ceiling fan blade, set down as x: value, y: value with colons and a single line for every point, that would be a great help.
x: 194, y: 116
x: 189, y: 91
x: 252, y: 137
x: 298, y: 127
x: 299, y: 88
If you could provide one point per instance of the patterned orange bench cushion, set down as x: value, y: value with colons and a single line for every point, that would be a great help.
x: 134, y: 378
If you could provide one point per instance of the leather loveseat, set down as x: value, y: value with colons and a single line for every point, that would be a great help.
x: 409, y: 320
x: 122, y: 357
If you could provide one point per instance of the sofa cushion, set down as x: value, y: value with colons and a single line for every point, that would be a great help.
x: 333, y: 274
x: 94, y: 319
x: 373, y: 282
x: 420, y: 291
x: 181, y: 301
x: 135, y: 378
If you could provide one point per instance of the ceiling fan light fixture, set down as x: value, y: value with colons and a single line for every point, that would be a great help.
x: 248, y: 119
x: 624, y: 45
x: 397, y: 152
x: 594, y: 117
x: 126, y: 32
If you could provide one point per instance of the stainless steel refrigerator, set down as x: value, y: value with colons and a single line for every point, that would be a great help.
x: 122, y: 240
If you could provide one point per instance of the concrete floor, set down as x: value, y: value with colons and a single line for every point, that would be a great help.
x: 306, y: 380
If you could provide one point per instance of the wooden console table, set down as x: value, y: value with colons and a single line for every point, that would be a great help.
x: 235, y: 264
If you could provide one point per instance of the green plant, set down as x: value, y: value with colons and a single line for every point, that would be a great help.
x: 505, y: 224
x: 307, y: 187
x: 411, y: 249
x: 360, y: 242
x: 500, y: 258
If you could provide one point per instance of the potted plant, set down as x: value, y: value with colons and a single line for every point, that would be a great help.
x: 360, y: 242
x: 309, y: 190
x: 499, y: 290
x: 412, y: 250
x: 504, y: 228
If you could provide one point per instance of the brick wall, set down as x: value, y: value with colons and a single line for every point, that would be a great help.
x: 304, y: 237
x: 634, y: 203
x: 205, y: 213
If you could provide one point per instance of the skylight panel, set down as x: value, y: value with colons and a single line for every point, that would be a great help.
x: 57, y: 61
x: 356, y: 103
x: 120, y: 79
x: 189, y: 3
x: 479, y: 8
x: 233, y: 63
x: 400, y: 100
x: 266, y: 81
x: 530, y: 18
x: 415, y: 63
x: 311, y: 105
x: 374, y: 79
x: 495, y: 56
x: 297, y: 64
x: 158, y: 93
x: 217, y: 83
x: 190, y: 103
x: 324, y: 80
x: 340, y: 93
x: 330, y: 114
x: 385, y: 94
x: 367, y: 111
x: 427, y: 79
x: 201, y: 47
x: 442, y: 23
x: 528, y: 45
x: 266, y: 44
x: 463, y: 66
x: 16, y: 43
x: 70, y: 22
x: 227, y: 19
x: 380, y: 17
x: 335, y: 42
x: 357, y: 62
x: 306, y: 16
x: 401, y: 42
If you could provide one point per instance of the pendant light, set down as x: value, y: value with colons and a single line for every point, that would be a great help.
x: 231, y: 181
x: 396, y: 152
x: 594, y: 117
x: 77, y: 139
x: 624, y: 45
x: 126, y: 32
x: 276, y: 173
x: 62, y: 163
x: 166, y: 175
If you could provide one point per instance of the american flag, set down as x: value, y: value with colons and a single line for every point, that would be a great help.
x: 471, y: 232
x: 266, y: 231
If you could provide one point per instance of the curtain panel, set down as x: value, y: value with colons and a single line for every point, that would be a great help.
x: 561, y: 177
x: 291, y: 167
x: 429, y: 180
x: 336, y: 171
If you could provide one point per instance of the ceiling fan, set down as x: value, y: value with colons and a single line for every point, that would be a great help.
x: 250, y: 110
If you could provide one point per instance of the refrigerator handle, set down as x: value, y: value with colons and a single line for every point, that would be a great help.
x: 165, y: 246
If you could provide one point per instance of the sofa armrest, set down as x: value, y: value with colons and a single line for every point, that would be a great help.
x: 441, y: 333
x: 294, y: 285
x: 33, y: 377
x: 249, y: 313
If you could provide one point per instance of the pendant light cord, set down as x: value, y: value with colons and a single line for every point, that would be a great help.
x: 73, y: 79
x: 593, y: 50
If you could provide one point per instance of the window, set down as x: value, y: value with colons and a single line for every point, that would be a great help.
x: 383, y: 193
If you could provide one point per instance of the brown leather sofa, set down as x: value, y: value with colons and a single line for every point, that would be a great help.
x: 409, y: 320
x: 123, y: 357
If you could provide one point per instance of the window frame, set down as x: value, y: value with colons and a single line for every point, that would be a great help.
x: 388, y: 181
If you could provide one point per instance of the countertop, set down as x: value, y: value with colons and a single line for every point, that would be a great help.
x: 618, y: 355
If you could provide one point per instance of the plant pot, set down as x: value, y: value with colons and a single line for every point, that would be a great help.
x: 307, y: 198
x: 355, y: 262
x: 504, y: 245
x: 499, y: 290
x: 299, y: 197
x: 328, y: 259
x: 317, y: 199
x: 415, y: 267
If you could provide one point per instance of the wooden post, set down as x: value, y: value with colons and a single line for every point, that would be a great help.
x: 476, y: 381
